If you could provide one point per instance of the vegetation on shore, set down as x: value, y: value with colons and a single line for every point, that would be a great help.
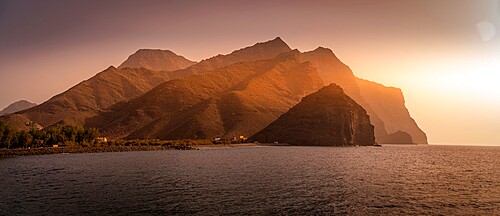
x: 71, y: 136
x: 72, y: 139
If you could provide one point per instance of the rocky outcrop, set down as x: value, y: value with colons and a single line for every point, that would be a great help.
x: 327, y: 117
x: 16, y: 107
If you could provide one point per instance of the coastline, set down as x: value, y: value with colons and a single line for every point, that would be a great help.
x: 8, y: 153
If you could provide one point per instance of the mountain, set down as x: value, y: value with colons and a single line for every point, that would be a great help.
x: 265, y: 93
x: 389, y: 104
x: 259, y: 51
x: 156, y: 60
x: 333, y: 70
x: 327, y: 117
x: 17, y: 106
x: 114, y: 85
x: 384, y: 105
x: 89, y: 97
x: 239, y: 99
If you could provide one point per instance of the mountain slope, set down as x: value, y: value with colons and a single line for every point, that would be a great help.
x: 89, y: 97
x: 157, y: 60
x: 327, y: 117
x: 115, y: 85
x: 17, y: 106
x: 239, y: 99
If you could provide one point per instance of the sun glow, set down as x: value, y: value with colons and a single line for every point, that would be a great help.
x: 475, y: 80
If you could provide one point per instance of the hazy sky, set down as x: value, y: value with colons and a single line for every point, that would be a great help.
x: 445, y: 55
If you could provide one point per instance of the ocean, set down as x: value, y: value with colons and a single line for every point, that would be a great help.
x: 257, y: 180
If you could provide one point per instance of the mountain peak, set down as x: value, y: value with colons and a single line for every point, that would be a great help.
x: 157, y: 60
x: 145, y: 50
x: 276, y: 42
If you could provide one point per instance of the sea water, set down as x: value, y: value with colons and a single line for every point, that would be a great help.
x: 257, y: 180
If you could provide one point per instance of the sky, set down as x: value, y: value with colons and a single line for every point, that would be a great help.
x: 444, y: 55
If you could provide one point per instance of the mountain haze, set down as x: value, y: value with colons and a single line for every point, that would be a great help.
x: 16, y: 107
x: 389, y: 104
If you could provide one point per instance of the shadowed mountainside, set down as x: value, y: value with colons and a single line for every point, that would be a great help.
x: 16, y: 107
x: 327, y: 117
x: 157, y: 60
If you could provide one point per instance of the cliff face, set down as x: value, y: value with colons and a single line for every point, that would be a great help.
x: 156, y: 60
x: 16, y: 107
x: 389, y: 104
x: 327, y: 117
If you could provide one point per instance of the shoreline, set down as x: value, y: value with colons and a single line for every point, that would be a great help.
x: 9, y: 153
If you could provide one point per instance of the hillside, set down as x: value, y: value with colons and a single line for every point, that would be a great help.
x: 327, y: 117
x: 90, y: 96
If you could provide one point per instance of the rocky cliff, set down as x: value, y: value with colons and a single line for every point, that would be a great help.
x: 389, y: 104
x: 327, y: 117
